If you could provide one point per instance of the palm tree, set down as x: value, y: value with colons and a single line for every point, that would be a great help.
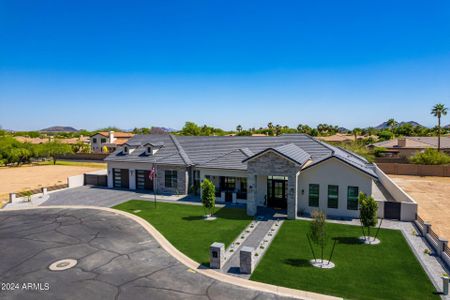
x: 356, y: 132
x: 391, y: 123
x: 239, y: 128
x: 438, y: 111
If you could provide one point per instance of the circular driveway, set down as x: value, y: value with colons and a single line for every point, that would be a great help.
x: 116, y: 259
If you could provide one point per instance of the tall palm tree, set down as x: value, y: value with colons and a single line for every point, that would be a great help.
x: 239, y: 128
x: 438, y: 111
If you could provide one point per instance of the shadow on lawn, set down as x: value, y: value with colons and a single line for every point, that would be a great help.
x: 223, y: 213
x: 297, y: 262
x: 349, y: 240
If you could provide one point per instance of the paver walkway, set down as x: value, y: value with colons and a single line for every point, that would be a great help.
x: 266, y: 220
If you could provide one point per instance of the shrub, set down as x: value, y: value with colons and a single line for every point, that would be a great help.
x: 430, y: 157
x: 208, y: 196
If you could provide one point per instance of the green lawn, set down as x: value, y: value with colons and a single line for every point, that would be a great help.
x: 385, y: 271
x: 183, y: 225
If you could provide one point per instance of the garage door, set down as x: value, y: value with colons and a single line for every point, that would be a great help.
x: 143, y: 181
x: 121, y: 178
x: 94, y: 179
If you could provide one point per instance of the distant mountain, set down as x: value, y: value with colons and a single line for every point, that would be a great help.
x: 59, y: 129
x: 343, y: 130
x: 384, y: 125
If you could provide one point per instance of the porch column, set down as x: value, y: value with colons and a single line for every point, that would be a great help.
x: 292, y: 202
x: 132, y: 179
x: 251, y: 195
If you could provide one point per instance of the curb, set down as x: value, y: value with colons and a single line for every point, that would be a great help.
x: 174, y: 252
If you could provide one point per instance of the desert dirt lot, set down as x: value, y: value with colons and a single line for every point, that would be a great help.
x: 433, y: 197
x: 16, y: 179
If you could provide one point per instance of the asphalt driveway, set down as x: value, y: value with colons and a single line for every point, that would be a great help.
x: 117, y: 259
x: 91, y: 196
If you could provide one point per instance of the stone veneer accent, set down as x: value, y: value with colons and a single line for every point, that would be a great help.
x: 182, y: 180
x: 272, y: 164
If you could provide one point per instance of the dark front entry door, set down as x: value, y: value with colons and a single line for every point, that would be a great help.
x: 276, y: 193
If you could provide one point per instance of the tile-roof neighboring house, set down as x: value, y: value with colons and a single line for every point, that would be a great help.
x: 232, y: 152
x: 414, y: 142
x: 117, y: 134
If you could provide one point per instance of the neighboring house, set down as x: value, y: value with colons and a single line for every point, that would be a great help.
x: 293, y: 171
x: 408, y: 146
x: 109, y: 139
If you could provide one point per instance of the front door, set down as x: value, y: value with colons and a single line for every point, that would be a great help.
x: 276, y: 193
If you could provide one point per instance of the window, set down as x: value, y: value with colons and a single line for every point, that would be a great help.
x: 314, y: 195
x: 228, y: 183
x: 170, y: 178
x: 149, y: 150
x: 125, y: 149
x: 333, y: 196
x: 352, y: 197
x: 94, y: 140
x: 103, y: 140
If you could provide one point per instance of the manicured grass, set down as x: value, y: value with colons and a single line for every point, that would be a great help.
x: 183, y: 225
x: 385, y: 271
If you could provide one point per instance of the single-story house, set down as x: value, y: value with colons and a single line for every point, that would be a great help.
x: 109, y: 139
x: 293, y: 171
x: 404, y: 147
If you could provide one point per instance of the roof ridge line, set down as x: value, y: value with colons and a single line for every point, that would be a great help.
x: 181, y: 151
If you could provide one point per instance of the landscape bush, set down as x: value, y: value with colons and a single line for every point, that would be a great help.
x: 430, y: 157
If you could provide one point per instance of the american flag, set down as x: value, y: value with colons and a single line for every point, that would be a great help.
x: 152, y: 173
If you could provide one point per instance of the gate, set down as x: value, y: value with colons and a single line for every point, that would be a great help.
x: 95, y: 179
x: 392, y: 210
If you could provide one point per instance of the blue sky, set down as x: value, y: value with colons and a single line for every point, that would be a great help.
x: 223, y: 63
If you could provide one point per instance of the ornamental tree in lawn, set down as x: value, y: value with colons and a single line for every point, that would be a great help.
x: 368, y: 208
x: 208, y: 196
x: 317, y: 230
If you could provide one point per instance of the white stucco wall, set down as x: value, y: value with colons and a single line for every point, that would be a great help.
x: 332, y: 172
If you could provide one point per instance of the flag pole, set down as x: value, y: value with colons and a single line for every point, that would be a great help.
x: 154, y: 186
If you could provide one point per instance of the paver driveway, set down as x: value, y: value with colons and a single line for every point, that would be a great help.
x: 117, y: 259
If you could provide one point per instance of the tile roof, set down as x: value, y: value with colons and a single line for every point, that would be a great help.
x: 230, y: 152
x: 117, y: 134
x: 416, y: 142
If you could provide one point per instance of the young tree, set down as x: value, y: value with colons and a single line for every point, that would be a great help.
x: 392, y: 124
x: 368, y: 208
x: 438, y: 111
x: 208, y: 196
x: 317, y: 230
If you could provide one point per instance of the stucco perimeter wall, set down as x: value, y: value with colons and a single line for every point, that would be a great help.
x: 332, y: 172
x: 182, y: 174
x: 415, y: 170
x: 409, y: 206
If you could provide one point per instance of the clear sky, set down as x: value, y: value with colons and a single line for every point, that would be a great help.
x: 91, y: 64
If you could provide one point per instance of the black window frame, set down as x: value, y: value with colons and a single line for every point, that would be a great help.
x: 170, y: 178
x: 333, y: 200
x: 312, y: 202
x: 352, y: 201
x: 94, y: 140
x: 103, y: 141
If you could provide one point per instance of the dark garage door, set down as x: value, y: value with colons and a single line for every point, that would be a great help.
x: 143, y: 181
x: 121, y: 178
x: 392, y: 210
x: 94, y: 179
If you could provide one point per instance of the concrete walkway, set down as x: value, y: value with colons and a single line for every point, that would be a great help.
x: 432, y: 265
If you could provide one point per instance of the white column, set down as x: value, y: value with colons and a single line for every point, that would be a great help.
x: 132, y: 179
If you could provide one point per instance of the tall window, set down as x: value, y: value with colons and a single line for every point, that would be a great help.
x: 170, y: 178
x: 314, y: 195
x: 352, y: 197
x: 333, y: 196
x: 94, y: 140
